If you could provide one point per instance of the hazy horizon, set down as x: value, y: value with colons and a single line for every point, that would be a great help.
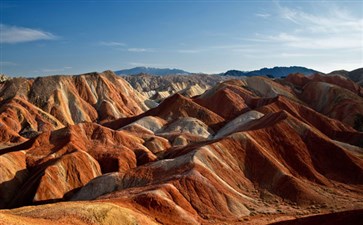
x: 72, y: 37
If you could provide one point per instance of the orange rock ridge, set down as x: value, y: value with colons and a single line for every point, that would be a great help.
x: 253, y: 151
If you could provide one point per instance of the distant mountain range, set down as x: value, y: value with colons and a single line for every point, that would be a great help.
x: 151, y: 71
x: 277, y: 71
x: 280, y: 71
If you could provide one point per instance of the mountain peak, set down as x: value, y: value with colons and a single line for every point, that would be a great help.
x: 277, y: 71
x: 152, y: 71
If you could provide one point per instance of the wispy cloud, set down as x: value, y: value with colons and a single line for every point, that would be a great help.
x: 286, y: 55
x: 331, y: 19
x: 7, y: 63
x: 263, y: 15
x: 112, y: 43
x: 54, y: 70
x: 123, y: 46
x: 324, y: 36
x: 14, y: 34
x: 349, y: 41
x: 333, y: 28
x: 189, y: 51
x: 137, y: 64
x: 217, y: 47
x: 139, y: 50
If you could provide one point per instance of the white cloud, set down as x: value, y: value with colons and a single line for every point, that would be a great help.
x: 54, y: 70
x: 331, y: 29
x: 227, y: 47
x: 121, y: 44
x: 344, y: 41
x: 189, y: 51
x: 112, y: 43
x: 331, y: 19
x: 7, y: 63
x: 139, y: 64
x: 263, y: 15
x: 298, y: 55
x: 14, y: 34
x: 139, y: 50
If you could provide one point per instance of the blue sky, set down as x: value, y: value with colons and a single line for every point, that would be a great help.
x: 71, y: 37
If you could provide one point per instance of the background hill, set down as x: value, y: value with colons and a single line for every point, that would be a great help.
x: 151, y: 71
x: 277, y: 71
x: 354, y: 75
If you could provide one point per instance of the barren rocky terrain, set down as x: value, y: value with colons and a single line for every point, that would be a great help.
x: 102, y: 149
x: 158, y: 88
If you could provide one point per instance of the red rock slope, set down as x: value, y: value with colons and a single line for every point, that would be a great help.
x: 258, y: 155
x: 334, y: 96
x: 49, y: 103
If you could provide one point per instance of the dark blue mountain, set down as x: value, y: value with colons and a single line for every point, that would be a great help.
x: 151, y: 71
x: 278, y: 71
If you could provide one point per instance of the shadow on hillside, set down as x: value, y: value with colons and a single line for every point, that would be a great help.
x: 9, y: 189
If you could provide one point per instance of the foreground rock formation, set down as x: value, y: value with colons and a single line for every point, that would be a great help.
x: 32, y: 106
x: 246, y: 151
x: 158, y: 88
